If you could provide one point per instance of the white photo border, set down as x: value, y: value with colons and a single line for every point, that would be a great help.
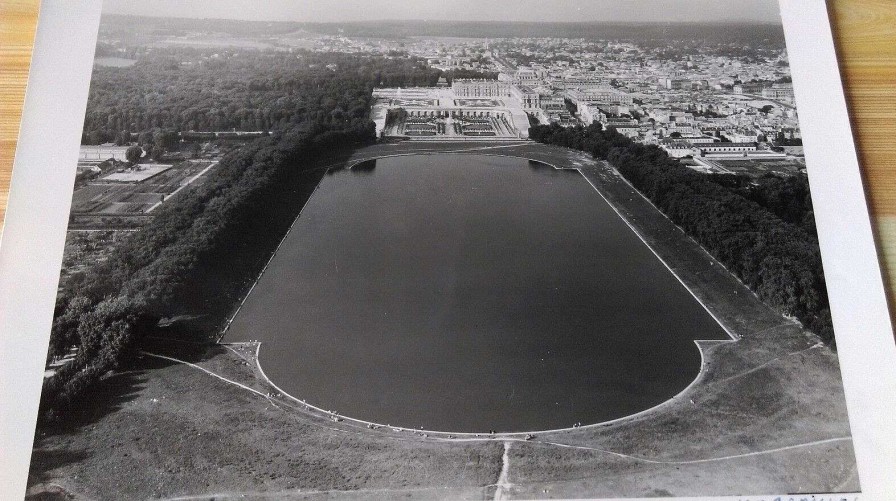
x: 862, y: 327
x: 34, y: 233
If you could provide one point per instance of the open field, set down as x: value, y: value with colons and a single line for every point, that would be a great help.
x: 758, y: 167
x: 138, y: 173
x: 125, y: 198
x: 767, y: 414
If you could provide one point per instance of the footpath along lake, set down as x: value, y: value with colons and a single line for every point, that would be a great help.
x: 468, y: 293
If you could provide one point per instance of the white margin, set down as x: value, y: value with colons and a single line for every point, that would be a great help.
x: 862, y: 324
x: 34, y: 231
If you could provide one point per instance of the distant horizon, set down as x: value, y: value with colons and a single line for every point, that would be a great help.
x: 452, y: 21
x: 521, y: 11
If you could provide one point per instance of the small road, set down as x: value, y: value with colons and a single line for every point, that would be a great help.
x: 189, y: 182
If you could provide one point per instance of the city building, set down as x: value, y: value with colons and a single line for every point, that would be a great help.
x: 598, y: 95
x: 779, y: 91
x: 480, y: 88
x: 438, y: 113
x: 709, y: 149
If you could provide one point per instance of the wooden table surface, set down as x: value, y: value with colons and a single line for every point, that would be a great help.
x: 865, y: 32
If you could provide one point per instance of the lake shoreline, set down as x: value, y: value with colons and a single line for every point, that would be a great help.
x: 414, y: 287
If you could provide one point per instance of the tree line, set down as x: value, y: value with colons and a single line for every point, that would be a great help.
x: 203, y: 248
x: 786, y: 197
x: 760, y: 233
x: 194, y: 257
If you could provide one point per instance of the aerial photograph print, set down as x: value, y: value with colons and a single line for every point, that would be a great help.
x: 426, y: 250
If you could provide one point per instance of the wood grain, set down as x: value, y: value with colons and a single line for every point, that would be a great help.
x: 18, y: 19
x: 865, y: 35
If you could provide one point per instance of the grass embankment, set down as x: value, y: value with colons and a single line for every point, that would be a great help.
x: 167, y: 430
x: 767, y: 415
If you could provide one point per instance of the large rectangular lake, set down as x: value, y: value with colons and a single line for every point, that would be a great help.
x: 471, y: 293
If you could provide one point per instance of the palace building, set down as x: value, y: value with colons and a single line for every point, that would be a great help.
x: 469, y: 110
x: 464, y: 87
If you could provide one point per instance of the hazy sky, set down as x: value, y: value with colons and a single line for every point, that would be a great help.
x: 456, y: 10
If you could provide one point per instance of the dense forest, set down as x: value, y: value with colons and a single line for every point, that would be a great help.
x: 786, y: 197
x: 761, y: 233
x: 187, y: 89
x: 204, y: 246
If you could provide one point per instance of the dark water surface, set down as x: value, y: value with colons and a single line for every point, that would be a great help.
x: 471, y: 293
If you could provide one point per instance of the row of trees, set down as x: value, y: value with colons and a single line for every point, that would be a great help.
x: 195, y: 257
x: 203, y: 248
x: 786, y: 197
x: 760, y: 234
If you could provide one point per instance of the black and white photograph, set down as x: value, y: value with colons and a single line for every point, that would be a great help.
x: 441, y: 250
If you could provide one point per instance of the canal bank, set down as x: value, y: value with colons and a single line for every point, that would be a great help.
x: 470, y: 293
